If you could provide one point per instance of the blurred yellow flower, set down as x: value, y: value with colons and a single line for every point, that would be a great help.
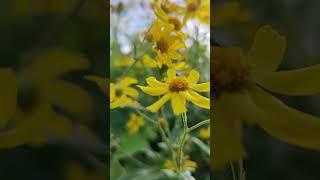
x: 171, y: 20
x: 227, y: 13
x: 186, y: 164
x: 205, y: 133
x: 121, y: 94
x: 197, y: 9
x: 241, y: 84
x: 167, y: 43
x: 135, y: 123
x: 38, y: 87
x: 179, y: 89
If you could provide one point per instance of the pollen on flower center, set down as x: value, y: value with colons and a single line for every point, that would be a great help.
x: 162, y: 45
x: 177, y: 24
x: 178, y: 84
x: 231, y: 71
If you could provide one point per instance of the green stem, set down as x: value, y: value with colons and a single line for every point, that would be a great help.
x: 242, y: 174
x: 199, y: 124
x: 183, y: 139
x: 233, y: 172
x: 146, y: 116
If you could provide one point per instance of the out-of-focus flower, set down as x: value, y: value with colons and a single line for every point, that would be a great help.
x: 167, y: 43
x: 179, y: 89
x: 172, y: 20
x: 197, y: 9
x: 239, y: 85
x: 187, y: 165
x: 204, y: 133
x: 121, y: 94
x: 39, y: 88
x: 228, y: 13
x: 135, y: 123
x: 75, y: 171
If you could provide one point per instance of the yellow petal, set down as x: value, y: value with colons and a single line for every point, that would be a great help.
x: 131, y: 92
x: 112, y: 91
x: 178, y: 103
x: 152, y: 81
x: 157, y: 105
x: 70, y: 98
x: 126, y: 81
x: 121, y: 102
x: 154, y: 91
x: 148, y: 61
x: 54, y: 62
x: 287, y: 124
x: 101, y: 82
x: 171, y: 73
x: 193, y: 77
x: 267, y: 50
x: 197, y: 99
x: 226, y: 142
x: 8, y: 95
x: 294, y: 82
x: 203, y: 87
x: 177, y: 45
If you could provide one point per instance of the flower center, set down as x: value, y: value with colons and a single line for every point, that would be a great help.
x: 119, y: 92
x: 177, y: 24
x: 231, y: 71
x: 193, y: 6
x: 28, y: 96
x: 162, y: 45
x: 178, y: 84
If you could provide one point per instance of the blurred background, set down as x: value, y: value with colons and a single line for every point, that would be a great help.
x: 298, y: 20
x: 53, y: 121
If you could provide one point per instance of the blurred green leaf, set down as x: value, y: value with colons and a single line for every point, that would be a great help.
x: 131, y: 144
x: 116, y: 170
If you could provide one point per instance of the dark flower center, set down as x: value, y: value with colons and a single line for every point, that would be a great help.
x: 231, y: 71
x: 178, y: 84
x: 162, y: 45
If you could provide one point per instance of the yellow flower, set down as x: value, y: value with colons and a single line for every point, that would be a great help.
x: 172, y: 20
x: 135, y: 123
x: 241, y: 84
x: 180, y: 65
x: 186, y: 164
x: 179, y: 89
x: 121, y: 94
x: 229, y: 12
x: 33, y: 90
x: 197, y: 9
x: 205, y: 133
x: 167, y: 43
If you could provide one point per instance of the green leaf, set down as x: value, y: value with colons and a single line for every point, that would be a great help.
x: 149, y: 174
x: 116, y: 170
x: 131, y: 144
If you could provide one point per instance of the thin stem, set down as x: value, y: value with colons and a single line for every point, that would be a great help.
x: 146, y: 116
x: 183, y: 139
x: 233, y: 172
x: 242, y: 174
x: 199, y: 124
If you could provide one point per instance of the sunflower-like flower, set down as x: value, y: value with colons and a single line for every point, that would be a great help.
x: 197, y: 9
x: 180, y: 65
x: 135, y: 123
x: 167, y: 43
x: 240, y: 86
x: 121, y: 94
x: 179, y: 89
